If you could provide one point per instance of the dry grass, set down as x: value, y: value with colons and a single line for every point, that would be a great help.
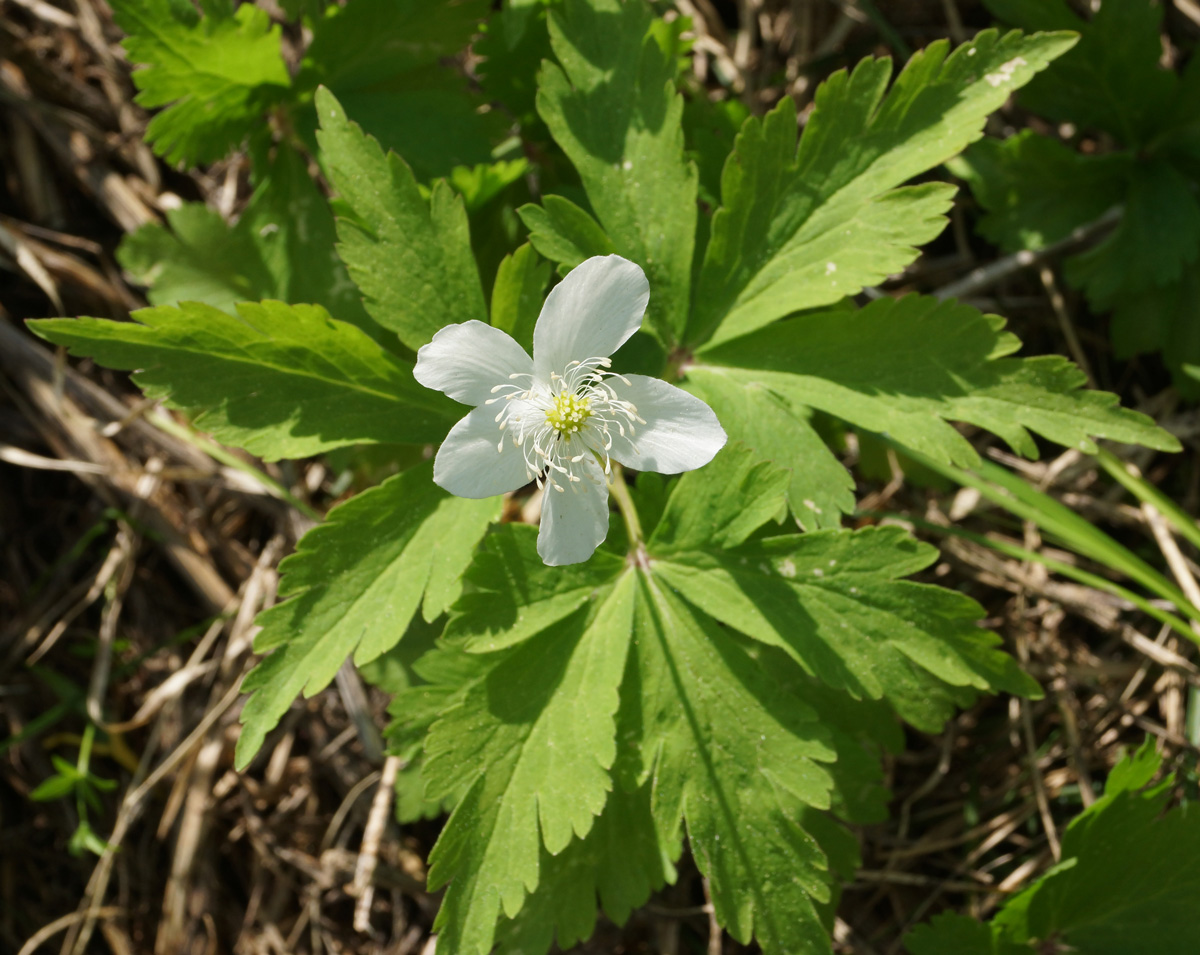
x: 134, y: 563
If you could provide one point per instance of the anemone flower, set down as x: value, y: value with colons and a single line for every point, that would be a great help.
x: 561, y: 418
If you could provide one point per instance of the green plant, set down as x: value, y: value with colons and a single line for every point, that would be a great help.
x: 728, y: 667
x: 1125, y: 882
x: 79, y: 781
x: 1143, y: 155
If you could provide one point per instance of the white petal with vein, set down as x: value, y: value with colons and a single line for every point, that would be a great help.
x: 681, y: 432
x: 590, y: 313
x: 466, y: 361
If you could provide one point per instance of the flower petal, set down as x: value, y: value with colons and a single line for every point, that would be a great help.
x: 466, y: 361
x: 681, y: 432
x: 468, y: 464
x: 590, y: 313
x: 574, y: 520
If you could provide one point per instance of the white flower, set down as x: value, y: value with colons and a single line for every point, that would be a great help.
x: 561, y: 418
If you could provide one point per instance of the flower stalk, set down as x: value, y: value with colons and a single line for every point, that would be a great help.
x: 620, y: 493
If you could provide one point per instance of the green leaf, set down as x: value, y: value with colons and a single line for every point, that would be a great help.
x: 861, y: 731
x: 731, y: 756
x: 951, y: 934
x: 424, y: 682
x: 729, y: 738
x: 833, y: 601
x: 382, y: 61
x: 84, y: 839
x: 1181, y: 139
x: 354, y: 584
x: 1157, y: 240
x: 720, y: 505
x: 410, y: 257
x: 1036, y: 190
x: 480, y: 184
x: 928, y: 363
x: 802, y: 228
x: 518, y: 294
x: 821, y: 490
x: 436, y: 130
x: 515, y: 41
x: 56, y: 787
x: 282, y: 247
x: 1163, y: 319
x: 217, y: 74
x: 1112, y: 79
x: 1126, y: 883
x: 563, y: 232
x: 199, y: 258
x: 710, y: 128
x: 1134, y: 771
x: 613, y: 109
x: 368, y: 42
x: 619, y: 860
x: 507, y: 603
x: 537, y: 732
x: 281, y: 381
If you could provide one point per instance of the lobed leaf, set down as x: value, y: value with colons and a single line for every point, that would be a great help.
x: 731, y: 756
x: 1036, y: 190
x: 508, y: 602
x: 928, y: 363
x: 354, y: 584
x: 216, y: 74
x: 514, y: 43
x: 563, y: 232
x: 803, y: 227
x: 610, y: 103
x: 1162, y: 318
x: 382, y: 59
x: 410, y: 257
x: 618, y: 863
x: 728, y: 738
x: 1157, y: 240
x: 820, y: 489
x: 833, y: 602
x: 720, y: 505
x: 1112, y: 79
x: 281, y: 247
x: 367, y: 43
x: 518, y: 294
x: 1126, y: 882
x: 621, y: 860
x: 536, y: 731
x: 281, y: 381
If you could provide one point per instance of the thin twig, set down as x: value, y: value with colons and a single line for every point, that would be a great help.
x: 47, y: 932
x: 1059, y: 304
x: 986, y: 276
x: 368, y: 856
x: 1039, y: 786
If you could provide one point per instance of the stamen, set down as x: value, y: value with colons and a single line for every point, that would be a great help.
x: 561, y: 422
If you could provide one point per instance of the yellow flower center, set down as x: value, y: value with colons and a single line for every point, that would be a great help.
x: 568, y: 414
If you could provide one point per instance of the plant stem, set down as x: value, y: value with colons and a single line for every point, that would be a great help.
x: 620, y: 492
x: 85, y: 748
